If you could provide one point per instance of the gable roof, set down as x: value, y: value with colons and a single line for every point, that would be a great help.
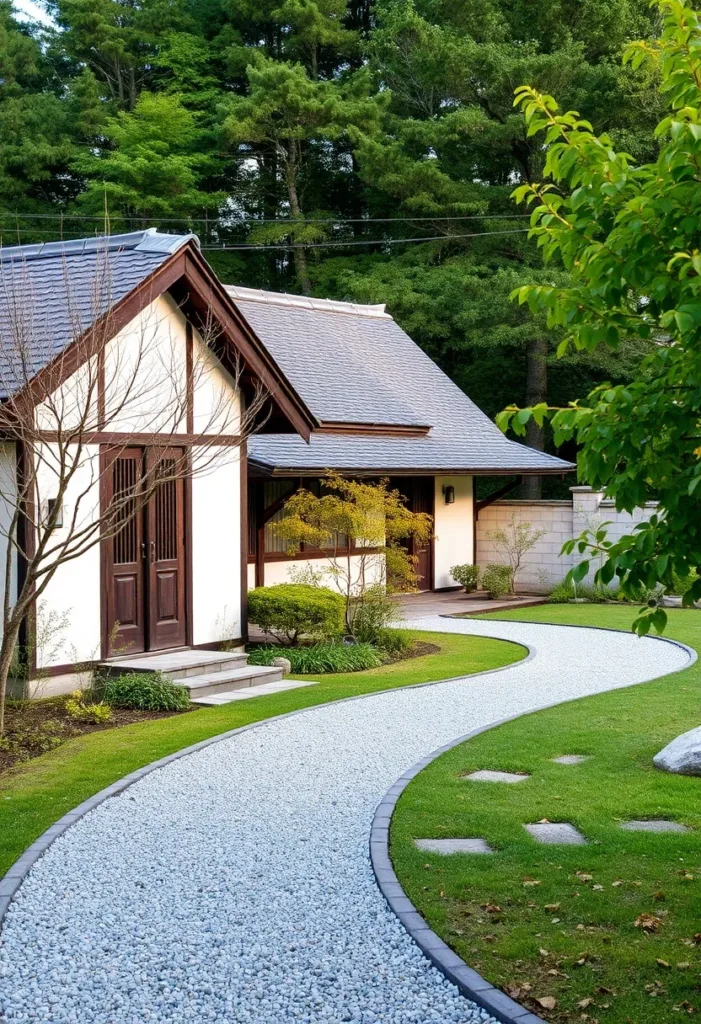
x: 354, y: 365
x: 53, y: 292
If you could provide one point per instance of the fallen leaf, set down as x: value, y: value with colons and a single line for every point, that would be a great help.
x: 659, y: 895
x: 551, y: 907
x: 518, y: 990
x: 603, y: 991
x: 614, y: 884
x: 697, y: 939
x: 543, y: 952
x: 491, y: 908
x: 663, y: 963
x: 683, y: 966
x: 531, y: 881
x: 544, y: 821
x: 580, y: 928
x: 583, y: 1003
x: 547, y: 1002
x: 584, y: 877
x: 685, y: 1006
x: 648, y: 922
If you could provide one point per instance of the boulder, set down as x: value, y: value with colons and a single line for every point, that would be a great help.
x: 682, y: 755
x: 284, y: 663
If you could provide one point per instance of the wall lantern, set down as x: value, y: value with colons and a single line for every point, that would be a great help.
x: 449, y: 494
x: 50, y: 508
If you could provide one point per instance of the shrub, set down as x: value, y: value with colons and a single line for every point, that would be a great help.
x: 146, y: 691
x: 82, y: 710
x: 496, y: 579
x: 313, y: 659
x: 291, y: 610
x: 468, y: 576
x: 596, y: 593
x: 393, y: 641
x: 376, y: 613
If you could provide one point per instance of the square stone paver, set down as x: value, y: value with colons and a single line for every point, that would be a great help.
x: 556, y: 832
x: 453, y: 846
x: 655, y: 825
x: 570, y: 759
x: 488, y: 776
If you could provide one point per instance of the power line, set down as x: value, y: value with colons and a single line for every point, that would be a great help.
x: 368, y: 241
x: 222, y: 221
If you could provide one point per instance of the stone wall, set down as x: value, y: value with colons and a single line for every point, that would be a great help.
x: 543, y: 566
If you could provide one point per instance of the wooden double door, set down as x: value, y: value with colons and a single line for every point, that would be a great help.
x: 144, y: 563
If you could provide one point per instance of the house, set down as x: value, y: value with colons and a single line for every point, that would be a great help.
x: 187, y: 412
x: 384, y: 409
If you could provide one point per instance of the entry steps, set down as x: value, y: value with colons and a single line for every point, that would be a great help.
x: 208, y: 675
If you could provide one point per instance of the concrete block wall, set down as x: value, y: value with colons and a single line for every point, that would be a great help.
x: 543, y: 566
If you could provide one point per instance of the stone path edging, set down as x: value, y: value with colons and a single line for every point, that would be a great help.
x: 12, y: 880
x: 455, y: 969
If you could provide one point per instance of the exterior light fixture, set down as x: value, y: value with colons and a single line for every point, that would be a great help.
x: 50, y: 509
x: 449, y: 494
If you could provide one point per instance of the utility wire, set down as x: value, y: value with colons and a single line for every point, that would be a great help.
x: 225, y: 223
x: 369, y: 241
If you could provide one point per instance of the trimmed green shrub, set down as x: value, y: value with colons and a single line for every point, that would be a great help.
x: 146, y: 691
x: 289, y: 611
x: 393, y: 641
x: 596, y: 594
x: 314, y: 659
x: 468, y: 576
x: 496, y: 579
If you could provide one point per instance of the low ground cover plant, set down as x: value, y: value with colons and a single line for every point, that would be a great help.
x: 145, y: 691
x: 81, y: 708
x: 290, y: 611
x: 308, y: 659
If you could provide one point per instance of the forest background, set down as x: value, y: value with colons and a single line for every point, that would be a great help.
x: 361, y: 150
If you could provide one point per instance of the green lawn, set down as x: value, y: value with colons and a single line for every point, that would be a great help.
x: 35, y: 794
x: 562, y: 920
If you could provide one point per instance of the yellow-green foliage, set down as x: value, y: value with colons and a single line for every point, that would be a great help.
x: 81, y: 710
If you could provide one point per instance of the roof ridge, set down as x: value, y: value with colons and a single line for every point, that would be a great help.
x: 306, y: 302
x: 148, y: 240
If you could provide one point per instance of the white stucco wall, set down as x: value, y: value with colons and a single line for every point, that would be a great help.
x: 453, y: 529
x: 216, y: 550
x: 147, y: 358
x: 279, y: 571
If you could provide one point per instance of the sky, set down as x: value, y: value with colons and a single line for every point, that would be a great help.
x: 30, y: 10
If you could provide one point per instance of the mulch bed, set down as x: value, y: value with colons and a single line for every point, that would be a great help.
x: 34, y: 726
x: 417, y: 650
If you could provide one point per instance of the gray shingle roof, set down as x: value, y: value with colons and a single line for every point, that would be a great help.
x: 354, y: 364
x: 51, y: 293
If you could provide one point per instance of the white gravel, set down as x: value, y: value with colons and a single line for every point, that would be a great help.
x: 234, y: 885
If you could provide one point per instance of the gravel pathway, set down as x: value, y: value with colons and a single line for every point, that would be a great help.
x: 234, y: 885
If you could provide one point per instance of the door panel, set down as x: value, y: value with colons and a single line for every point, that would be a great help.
x: 124, y: 555
x: 144, y: 560
x: 166, y: 568
x: 422, y: 501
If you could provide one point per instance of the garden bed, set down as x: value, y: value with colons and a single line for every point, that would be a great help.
x: 33, y: 727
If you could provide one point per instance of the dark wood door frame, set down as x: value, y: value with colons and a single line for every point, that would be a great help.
x: 152, y: 580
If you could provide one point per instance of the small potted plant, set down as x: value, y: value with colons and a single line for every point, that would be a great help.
x: 468, y: 576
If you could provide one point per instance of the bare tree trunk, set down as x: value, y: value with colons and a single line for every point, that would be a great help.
x: 536, y: 392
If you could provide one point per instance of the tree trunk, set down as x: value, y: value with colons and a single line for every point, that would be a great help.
x: 536, y: 392
x: 300, y: 256
x: 7, y: 650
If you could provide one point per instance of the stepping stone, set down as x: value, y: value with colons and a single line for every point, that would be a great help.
x: 570, y: 759
x: 552, y: 832
x: 446, y: 846
x: 247, y: 692
x: 655, y: 825
x: 488, y: 776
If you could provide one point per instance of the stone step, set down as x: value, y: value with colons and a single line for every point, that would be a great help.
x: 259, y: 690
x: 179, y: 665
x: 209, y: 683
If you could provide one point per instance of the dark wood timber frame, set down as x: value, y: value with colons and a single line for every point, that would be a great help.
x: 188, y: 278
x: 371, y: 429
